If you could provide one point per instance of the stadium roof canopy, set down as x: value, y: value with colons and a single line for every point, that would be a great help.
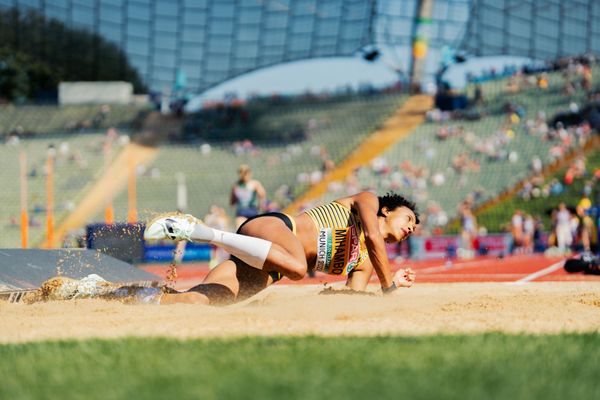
x: 206, y: 42
x: 542, y: 29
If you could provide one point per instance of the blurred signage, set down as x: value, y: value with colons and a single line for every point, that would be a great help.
x: 126, y: 242
x: 164, y: 252
x: 121, y: 241
x: 494, y: 244
x: 448, y: 246
x: 401, y: 249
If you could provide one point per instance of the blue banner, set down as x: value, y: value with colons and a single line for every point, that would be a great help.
x: 165, y: 252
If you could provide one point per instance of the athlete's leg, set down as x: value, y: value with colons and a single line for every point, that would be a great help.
x: 239, y: 220
x: 234, y: 280
x: 286, y: 254
x: 265, y: 243
x: 231, y: 281
x: 185, y: 298
x: 180, y: 227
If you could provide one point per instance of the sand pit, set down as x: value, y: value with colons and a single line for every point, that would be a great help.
x: 548, y: 307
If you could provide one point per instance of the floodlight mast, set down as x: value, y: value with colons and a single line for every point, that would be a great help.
x: 420, y: 38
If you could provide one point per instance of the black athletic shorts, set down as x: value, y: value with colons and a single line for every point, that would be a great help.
x: 286, y: 220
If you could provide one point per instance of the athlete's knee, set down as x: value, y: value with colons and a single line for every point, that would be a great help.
x: 297, y: 269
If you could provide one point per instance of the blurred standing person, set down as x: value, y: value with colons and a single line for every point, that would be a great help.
x: 586, y: 81
x: 528, y: 233
x: 564, y: 237
x: 478, y: 95
x: 247, y: 196
x: 516, y: 230
x: 468, y: 225
x: 586, y: 233
x: 539, y: 245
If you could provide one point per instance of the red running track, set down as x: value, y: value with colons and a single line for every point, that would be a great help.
x: 517, y: 269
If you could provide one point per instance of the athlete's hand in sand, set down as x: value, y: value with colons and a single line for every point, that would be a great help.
x: 404, y: 277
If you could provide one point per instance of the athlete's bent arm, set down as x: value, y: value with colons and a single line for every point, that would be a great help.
x: 359, y: 278
x: 232, y: 197
x: 367, y: 206
x: 262, y: 195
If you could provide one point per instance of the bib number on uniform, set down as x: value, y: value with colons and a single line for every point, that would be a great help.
x: 338, y: 250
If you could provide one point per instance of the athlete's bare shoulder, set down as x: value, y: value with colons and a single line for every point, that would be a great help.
x: 351, y: 201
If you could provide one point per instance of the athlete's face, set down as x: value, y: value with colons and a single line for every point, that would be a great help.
x: 244, y: 174
x: 398, y: 224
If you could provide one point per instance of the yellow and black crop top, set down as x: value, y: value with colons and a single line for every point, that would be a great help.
x: 340, y: 241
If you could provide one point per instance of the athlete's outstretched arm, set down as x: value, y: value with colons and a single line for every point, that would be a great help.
x: 367, y: 206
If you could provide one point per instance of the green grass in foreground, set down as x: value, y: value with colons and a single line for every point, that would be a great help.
x: 492, y: 366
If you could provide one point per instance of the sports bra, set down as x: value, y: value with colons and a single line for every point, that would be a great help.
x: 340, y: 241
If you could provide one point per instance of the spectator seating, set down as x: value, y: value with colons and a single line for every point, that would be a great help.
x: 410, y: 166
x: 333, y: 129
x: 78, y: 161
x: 28, y: 120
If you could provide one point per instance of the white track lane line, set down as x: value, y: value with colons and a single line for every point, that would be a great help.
x: 540, y: 273
x: 452, y: 266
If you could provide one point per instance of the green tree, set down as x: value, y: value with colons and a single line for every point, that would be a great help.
x: 21, y: 76
x: 36, y: 53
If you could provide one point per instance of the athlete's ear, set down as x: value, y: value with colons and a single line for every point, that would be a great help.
x: 385, y: 211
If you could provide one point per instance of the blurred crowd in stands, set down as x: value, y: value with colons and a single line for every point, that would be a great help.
x: 566, y: 136
x: 233, y: 118
x: 69, y: 155
x: 78, y: 121
x: 572, y: 225
x: 577, y: 74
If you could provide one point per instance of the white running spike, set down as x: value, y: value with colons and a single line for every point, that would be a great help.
x: 174, y: 226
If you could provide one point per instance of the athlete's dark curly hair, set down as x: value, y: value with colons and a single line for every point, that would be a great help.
x: 392, y: 201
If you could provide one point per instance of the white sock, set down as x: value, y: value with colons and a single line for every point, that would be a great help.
x: 253, y: 251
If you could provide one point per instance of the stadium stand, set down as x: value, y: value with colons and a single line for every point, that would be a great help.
x: 31, y: 120
x: 446, y: 161
x: 540, y: 197
x: 77, y: 135
x: 331, y: 130
x: 79, y: 159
